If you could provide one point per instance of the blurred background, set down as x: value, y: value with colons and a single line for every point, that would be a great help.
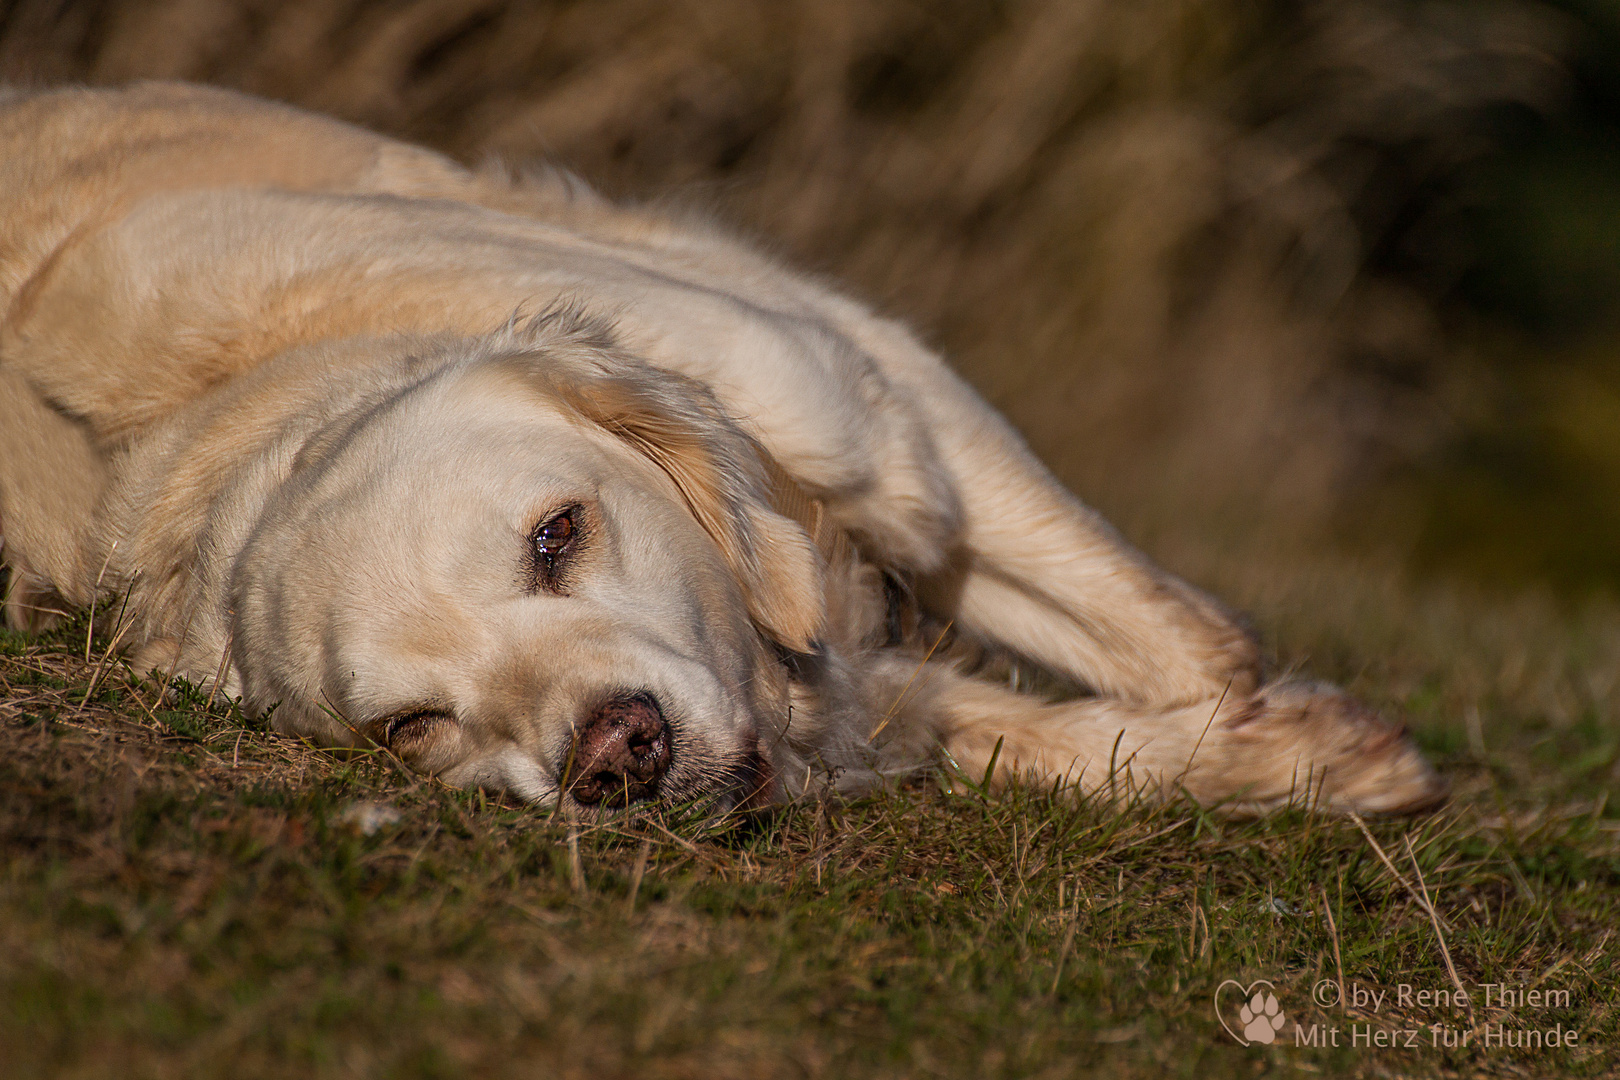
x: 1294, y: 292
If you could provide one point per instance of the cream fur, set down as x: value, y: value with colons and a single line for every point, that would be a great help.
x: 302, y: 392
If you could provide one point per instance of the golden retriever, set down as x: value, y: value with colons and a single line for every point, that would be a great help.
x: 567, y: 499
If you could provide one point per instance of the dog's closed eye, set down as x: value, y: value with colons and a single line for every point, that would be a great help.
x: 409, y: 729
x: 551, y: 543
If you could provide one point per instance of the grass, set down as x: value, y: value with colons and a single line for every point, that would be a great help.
x: 187, y: 894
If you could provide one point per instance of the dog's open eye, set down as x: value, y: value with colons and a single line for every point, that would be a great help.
x: 552, y: 536
x: 409, y: 728
x: 552, y: 542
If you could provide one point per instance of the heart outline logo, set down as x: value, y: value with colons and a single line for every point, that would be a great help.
x: 1248, y: 995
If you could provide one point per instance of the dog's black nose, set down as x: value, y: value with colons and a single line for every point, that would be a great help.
x: 620, y: 753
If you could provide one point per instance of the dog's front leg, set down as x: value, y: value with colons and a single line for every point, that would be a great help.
x: 1288, y: 743
x: 1038, y: 571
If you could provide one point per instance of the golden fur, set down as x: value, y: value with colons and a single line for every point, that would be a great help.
x: 303, y: 394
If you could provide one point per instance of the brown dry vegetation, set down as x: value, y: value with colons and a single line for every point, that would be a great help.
x: 1139, y: 228
x: 1147, y: 232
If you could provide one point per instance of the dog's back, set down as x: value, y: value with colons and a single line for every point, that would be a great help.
x: 74, y: 160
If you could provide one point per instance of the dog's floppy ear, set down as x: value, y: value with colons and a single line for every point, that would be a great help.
x: 719, y: 469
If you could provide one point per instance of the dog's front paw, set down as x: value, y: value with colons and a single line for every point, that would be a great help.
x: 1313, y: 744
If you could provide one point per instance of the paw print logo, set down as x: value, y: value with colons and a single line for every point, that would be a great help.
x: 1262, y: 1018
x: 1259, y: 1016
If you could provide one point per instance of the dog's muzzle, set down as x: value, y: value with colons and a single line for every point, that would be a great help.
x: 620, y: 754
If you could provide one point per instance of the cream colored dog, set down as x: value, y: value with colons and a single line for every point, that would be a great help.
x: 563, y: 498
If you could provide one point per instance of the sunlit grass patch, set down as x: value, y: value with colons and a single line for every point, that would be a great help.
x: 186, y: 893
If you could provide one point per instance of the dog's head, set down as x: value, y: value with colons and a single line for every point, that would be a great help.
x: 539, y: 565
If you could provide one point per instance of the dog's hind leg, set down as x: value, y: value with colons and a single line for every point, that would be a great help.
x: 50, y: 482
x: 1287, y: 743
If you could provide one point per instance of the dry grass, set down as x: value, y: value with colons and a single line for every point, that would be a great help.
x: 185, y: 894
x: 1141, y: 229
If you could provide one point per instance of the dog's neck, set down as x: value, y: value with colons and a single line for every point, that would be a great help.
x: 790, y: 500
